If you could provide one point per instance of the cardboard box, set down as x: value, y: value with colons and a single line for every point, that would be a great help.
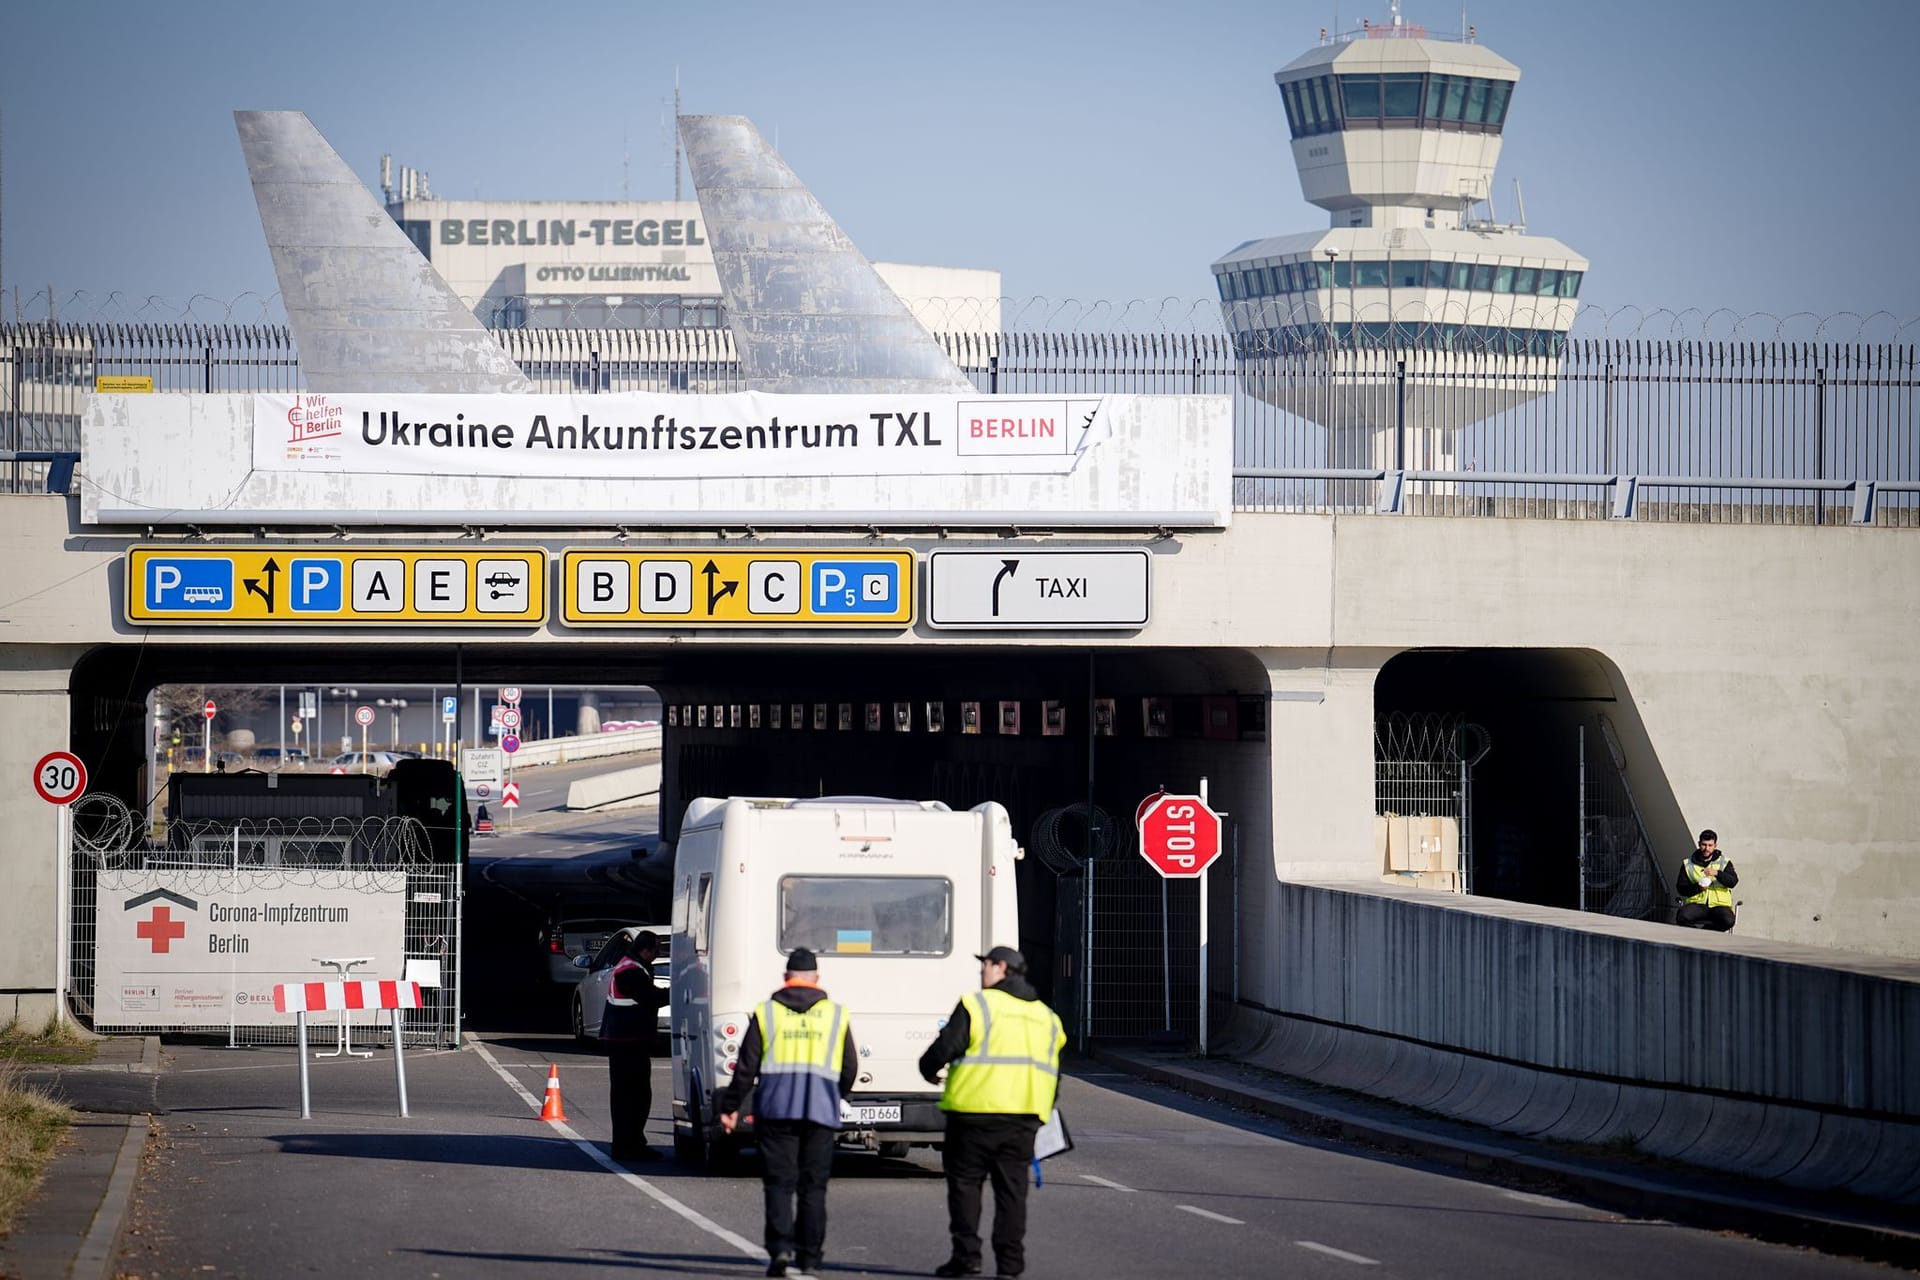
x: 1420, y: 843
x: 1444, y: 881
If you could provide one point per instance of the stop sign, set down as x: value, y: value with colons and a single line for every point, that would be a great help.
x: 1179, y: 836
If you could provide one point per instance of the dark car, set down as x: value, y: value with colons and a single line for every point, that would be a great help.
x: 565, y: 939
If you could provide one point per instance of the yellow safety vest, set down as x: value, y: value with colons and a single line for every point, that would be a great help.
x: 1012, y: 1063
x: 801, y: 1058
x: 1712, y: 892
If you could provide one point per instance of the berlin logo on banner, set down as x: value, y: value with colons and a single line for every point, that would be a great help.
x: 643, y: 436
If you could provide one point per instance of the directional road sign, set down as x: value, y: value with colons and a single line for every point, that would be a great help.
x: 332, y: 586
x: 483, y: 766
x: 510, y: 796
x: 682, y: 587
x: 59, y: 777
x: 1179, y: 836
x: 1078, y: 590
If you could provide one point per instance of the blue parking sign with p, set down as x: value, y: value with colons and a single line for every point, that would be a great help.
x: 855, y: 586
x: 194, y: 585
x: 314, y: 586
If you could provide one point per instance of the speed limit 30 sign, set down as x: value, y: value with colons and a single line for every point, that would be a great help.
x: 59, y: 777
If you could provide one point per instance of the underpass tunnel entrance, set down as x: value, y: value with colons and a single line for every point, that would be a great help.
x: 1041, y: 730
x: 1523, y: 774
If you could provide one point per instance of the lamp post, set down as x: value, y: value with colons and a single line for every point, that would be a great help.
x: 346, y: 715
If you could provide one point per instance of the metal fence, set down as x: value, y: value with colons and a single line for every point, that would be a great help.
x: 1691, y: 429
x: 1619, y: 876
x: 371, y: 855
x: 1423, y: 768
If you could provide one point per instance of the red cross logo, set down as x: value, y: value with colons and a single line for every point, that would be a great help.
x: 161, y: 930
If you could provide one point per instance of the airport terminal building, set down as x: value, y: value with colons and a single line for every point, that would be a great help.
x: 618, y: 264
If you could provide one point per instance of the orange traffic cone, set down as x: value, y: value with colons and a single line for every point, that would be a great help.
x: 553, y: 1110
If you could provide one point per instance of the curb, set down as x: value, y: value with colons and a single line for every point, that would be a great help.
x: 1618, y: 1190
x: 95, y: 1260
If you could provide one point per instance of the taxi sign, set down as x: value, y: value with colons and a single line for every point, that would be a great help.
x: 767, y: 587
x: 331, y: 586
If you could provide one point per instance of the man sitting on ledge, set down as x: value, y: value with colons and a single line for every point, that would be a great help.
x: 1705, y: 885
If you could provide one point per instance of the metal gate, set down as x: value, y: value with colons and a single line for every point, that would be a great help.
x: 1423, y: 766
x: 1619, y: 876
x: 1129, y: 939
x: 111, y: 853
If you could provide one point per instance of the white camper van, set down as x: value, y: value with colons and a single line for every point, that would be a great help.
x: 895, y: 897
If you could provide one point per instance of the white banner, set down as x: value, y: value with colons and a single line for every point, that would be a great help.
x: 205, y: 948
x: 644, y: 436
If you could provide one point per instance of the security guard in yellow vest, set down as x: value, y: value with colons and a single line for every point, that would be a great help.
x: 1001, y: 1048
x: 1705, y: 885
x: 799, y: 1047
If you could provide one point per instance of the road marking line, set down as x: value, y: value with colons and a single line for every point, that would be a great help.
x: 1106, y: 1183
x: 1210, y: 1214
x: 606, y: 1162
x: 1342, y: 1254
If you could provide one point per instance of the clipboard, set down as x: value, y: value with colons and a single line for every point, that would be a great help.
x: 1052, y: 1138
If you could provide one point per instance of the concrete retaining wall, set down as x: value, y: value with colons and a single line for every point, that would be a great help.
x: 619, y: 787
x: 589, y: 746
x: 1757, y: 1057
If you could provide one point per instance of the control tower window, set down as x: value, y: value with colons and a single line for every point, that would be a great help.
x: 1324, y: 118
x: 1503, y: 279
x: 1437, y: 274
x: 1476, y: 102
x: 1360, y: 98
x: 1549, y: 282
x: 1406, y: 275
x: 1525, y: 279
x: 1401, y: 97
x: 1497, y: 94
x: 1570, y: 283
x: 1296, y: 122
x: 1370, y: 275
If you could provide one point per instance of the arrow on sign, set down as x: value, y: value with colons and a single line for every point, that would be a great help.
x: 999, y: 578
x: 272, y: 572
x: 726, y: 589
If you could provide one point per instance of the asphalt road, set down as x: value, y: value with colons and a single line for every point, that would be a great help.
x: 236, y: 1184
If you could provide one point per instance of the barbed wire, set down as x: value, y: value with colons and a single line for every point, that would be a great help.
x: 1059, y: 837
x: 1035, y: 314
x: 108, y: 833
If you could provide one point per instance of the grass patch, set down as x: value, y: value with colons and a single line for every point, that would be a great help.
x: 57, y: 1043
x: 30, y: 1128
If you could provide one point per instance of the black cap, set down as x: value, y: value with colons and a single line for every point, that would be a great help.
x: 1015, y: 962
x: 802, y: 961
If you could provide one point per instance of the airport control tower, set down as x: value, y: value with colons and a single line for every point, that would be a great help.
x: 1396, y: 133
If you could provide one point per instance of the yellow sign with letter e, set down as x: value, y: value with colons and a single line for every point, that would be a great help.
x: 334, y: 586
x: 765, y: 587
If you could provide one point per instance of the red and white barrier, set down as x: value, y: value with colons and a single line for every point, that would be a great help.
x: 328, y: 997
x: 302, y: 998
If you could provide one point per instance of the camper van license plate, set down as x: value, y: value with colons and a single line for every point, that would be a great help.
x: 881, y: 1114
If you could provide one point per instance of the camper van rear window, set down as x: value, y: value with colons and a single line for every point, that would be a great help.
x: 867, y: 915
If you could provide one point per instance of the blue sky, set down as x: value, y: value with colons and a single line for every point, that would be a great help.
x: 1753, y: 156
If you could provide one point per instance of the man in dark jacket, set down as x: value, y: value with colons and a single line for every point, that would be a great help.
x: 1705, y: 885
x: 799, y: 1048
x: 628, y: 1027
x: 1001, y: 1050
